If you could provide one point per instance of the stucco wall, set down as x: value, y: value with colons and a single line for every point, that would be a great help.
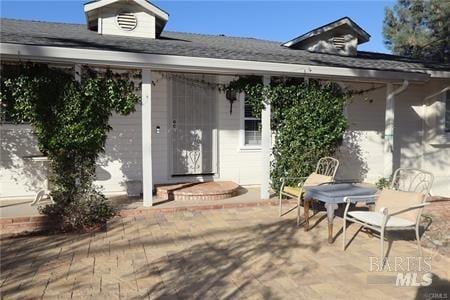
x: 419, y: 138
x: 361, y: 155
x: 436, y: 145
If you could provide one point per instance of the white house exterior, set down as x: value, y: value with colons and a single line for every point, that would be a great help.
x: 402, y: 120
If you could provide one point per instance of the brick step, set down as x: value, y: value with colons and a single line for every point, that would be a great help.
x: 209, y: 190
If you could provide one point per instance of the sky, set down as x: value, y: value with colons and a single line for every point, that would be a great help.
x: 270, y: 20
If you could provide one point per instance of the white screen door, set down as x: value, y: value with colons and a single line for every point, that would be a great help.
x: 192, y: 125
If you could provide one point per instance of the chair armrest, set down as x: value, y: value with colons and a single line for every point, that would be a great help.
x: 362, y: 198
x: 399, y: 210
x: 301, y: 181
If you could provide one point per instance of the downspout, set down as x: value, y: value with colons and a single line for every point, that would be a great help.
x: 389, y: 127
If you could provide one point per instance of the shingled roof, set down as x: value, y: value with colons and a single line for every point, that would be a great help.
x: 199, y: 45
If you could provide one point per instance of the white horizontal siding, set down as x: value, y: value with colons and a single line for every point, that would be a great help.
x: 145, y: 21
x: 19, y: 177
x: 122, y: 159
x: 361, y: 155
x: 160, y: 118
x: 243, y: 167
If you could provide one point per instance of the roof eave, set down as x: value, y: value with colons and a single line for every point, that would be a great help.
x: 90, y: 6
x: 201, y: 64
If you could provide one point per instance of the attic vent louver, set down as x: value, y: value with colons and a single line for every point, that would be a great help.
x: 338, y: 42
x: 126, y: 21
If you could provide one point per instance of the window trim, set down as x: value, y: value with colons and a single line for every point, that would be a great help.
x: 446, y: 117
x: 242, y: 118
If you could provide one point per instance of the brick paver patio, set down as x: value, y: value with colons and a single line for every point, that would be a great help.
x: 247, y: 253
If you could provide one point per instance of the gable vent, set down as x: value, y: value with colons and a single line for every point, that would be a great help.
x: 126, y: 21
x: 338, y: 42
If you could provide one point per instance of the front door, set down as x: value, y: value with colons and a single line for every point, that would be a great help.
x: 192, y: 125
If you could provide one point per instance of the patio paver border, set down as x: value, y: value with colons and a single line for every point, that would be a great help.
x: 11, y: 226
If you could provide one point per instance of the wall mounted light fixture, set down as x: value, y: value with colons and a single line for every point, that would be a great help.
x: 231, y: 96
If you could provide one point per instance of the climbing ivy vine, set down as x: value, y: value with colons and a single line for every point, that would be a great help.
x: 307, y: 117
x: 70, y: 121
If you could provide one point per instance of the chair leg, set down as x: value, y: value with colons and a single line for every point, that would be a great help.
x: 419, y: 247
x: 281, y: 198
x: 298, y: 211
x: 344, y: 232
x: 382, y: 246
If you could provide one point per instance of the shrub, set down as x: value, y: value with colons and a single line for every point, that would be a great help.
x: 383, y: 183
x: 83, y: 211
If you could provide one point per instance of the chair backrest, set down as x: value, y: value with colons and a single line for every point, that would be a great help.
x: 412, y: 180
x: 394, y: 200
x: 327, y: 166
x: 409, y: 186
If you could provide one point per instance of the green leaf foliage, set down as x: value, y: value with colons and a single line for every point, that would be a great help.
x: 307, y: 117
x: 383, y: 183
x: 70, y: 120
x: 418, y: 29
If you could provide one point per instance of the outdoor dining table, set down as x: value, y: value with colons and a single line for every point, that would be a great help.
x: 333, y: 194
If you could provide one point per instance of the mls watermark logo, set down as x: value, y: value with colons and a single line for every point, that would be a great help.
x: 410, y: 279
x: 401, y: 271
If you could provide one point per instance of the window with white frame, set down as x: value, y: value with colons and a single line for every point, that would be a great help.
x: 447, y: 111
x: 250, y: 126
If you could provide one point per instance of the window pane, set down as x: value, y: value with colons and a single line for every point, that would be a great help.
x: 447, y: 112
x: 249, y: 112
x: 252, y: 132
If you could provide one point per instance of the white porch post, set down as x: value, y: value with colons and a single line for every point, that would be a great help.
x: 266, y: 143
x: 389, y: 132
x: 147, y: 180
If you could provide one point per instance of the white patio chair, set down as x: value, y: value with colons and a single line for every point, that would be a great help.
x: 325, y: 172
x: 397, y: 208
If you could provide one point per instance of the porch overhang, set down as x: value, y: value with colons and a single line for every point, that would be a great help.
x: 158, y: 62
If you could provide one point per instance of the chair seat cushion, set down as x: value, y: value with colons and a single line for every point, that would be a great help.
x: 294, y: 191
x: 316, y: 179
x: 375, y: 218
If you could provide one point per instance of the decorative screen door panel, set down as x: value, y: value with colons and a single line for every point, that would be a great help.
x: 193, y: 125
